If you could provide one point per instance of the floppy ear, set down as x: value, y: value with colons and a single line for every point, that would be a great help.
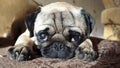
x: 90, y: 22
x: 30, y: 20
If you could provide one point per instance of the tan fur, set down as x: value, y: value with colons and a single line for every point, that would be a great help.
x: 59, y: 20
x: 111, y: 3
x: 112, y: 32
x: 87, y: 46
x: 110, y: 17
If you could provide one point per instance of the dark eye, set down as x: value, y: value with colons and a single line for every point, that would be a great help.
x: 74, y: 36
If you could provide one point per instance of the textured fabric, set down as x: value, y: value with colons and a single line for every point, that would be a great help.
x: 109, y: 57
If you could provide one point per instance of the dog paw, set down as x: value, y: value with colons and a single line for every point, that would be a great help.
x: 20, y: 53
x: 86, y: 52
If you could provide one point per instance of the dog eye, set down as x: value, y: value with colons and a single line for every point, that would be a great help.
x: 75, y: 38
x: 43, y: 36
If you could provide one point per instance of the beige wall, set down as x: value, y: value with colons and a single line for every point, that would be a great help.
x: 11, y: 10
x: 94, y: 7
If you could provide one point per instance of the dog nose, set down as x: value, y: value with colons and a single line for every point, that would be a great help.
x: 58, y: 46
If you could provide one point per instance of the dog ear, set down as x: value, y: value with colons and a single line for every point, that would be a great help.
x: 30, y: 20
x: 90, y: 22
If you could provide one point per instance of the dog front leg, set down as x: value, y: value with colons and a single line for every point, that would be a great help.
x: 23, y: 48
x: 86, y: 52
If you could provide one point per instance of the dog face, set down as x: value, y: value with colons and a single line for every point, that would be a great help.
x: 59, y: 28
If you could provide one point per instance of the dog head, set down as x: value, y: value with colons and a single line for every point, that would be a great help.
x: 59, y: 28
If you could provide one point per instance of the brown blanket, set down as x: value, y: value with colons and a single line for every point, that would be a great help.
x: 109, y: 57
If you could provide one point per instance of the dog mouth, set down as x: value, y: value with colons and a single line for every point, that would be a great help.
x: 57, y: 50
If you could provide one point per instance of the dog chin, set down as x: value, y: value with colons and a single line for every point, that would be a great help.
x: 56, y: 52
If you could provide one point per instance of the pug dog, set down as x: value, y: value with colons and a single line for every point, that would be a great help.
x: 58, y: 30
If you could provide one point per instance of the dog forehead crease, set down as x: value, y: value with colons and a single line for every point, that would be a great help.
x: 60, y: 20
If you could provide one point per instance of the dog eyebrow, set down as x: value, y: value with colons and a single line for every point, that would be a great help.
x: 74, y: 32
x: 46, y: 29
x: 41, y: 31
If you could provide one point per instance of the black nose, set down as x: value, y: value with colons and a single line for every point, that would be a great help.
x: 58, y: 46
